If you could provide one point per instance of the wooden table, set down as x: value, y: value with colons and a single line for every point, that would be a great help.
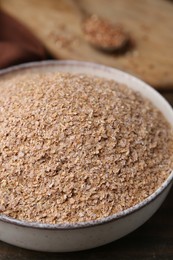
x: 154, y: 240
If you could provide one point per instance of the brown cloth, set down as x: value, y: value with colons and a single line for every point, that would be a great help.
x: 17, y: 43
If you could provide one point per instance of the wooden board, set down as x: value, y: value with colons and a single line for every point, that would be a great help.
x: 57, y: 23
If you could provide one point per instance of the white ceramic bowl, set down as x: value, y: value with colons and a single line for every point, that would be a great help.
x: 80, y: 236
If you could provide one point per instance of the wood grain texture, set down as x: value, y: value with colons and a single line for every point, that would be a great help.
x: 150, y: 23
x: 153, y: 240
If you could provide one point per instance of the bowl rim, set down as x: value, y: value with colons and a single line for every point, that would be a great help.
x: 113, y: 217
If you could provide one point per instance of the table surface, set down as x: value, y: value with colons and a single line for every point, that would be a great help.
x: 153, y: 240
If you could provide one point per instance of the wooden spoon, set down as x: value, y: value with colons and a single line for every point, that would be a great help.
x: 104, y: 35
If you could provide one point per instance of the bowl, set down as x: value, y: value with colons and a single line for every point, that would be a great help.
x: 80, y: 236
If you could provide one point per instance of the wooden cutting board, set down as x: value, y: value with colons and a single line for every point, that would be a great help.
x: 57, y: 23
